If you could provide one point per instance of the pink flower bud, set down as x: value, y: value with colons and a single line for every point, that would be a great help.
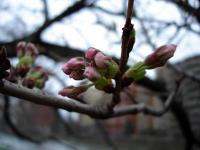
x: 20, y: 48
x: 76, y: 75
x: 160, y: 56
x: 24, y: 48
x: 101, y: 60
x: 91, y: 73
x: 32, y: 49
x: 90, y: 53
x: 73, y: 92
x: 76, y: 63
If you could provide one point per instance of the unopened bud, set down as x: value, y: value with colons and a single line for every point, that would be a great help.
x: 32, y: 50
x: 160, y: 56
x: 77, y: 75
x: 102, y: 60
x: 20, y: 48
x: 35, y: 77
x: 91, y: 73
x: 24, y: 65
x: 24, y: 48
x: 73, y: 92
x: 75, y: 68
x: 90, y: 53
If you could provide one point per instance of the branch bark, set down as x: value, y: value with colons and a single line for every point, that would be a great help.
x: 101, y: 112
x: 124, y: 53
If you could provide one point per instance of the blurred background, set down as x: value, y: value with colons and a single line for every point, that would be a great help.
x: 62, y: 29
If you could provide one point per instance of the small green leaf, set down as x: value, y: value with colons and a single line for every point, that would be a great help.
x: 137, y: 71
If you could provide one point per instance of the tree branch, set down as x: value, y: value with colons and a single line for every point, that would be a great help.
x: 124, y: 52
x: 100, y: 112
x: 195, y: 12
x: 74, y: 8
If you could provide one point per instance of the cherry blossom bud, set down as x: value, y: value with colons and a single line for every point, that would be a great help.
x: 160, y: 56
x: 27, y: 52
x: 101, y: 60
x: 91, y: 73
x: 24, y: 65
x: 77, y: 75
x: 35, y: 77
x: 32, y: 50
x: 73, y: 92
x: 20, y: 48
x: 90, y: 53
x: 24, y: 48
x: 75, y: 68
x: 73, y: 64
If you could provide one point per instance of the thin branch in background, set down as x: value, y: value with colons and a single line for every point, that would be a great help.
x: 46, y: 12
x: 8, y: 120
x: 148, y: 38
x: 184, y: 73
x: 133, y: 109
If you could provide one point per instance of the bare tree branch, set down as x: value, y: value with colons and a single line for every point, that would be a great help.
x: 7, y: 118
x: 124, y: 53
x: 46, y: 12
x: 101, y: 112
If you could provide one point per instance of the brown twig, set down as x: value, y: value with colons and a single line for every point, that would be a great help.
x: 124, y: 54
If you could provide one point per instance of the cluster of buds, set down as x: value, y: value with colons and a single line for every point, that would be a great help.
x: 24, y: 71
x: 101, y: 69
x: 4, y: 64
x: 27, y: 53
x: 36, y: 77
x: 157, y: 59
x: 96, y: 67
